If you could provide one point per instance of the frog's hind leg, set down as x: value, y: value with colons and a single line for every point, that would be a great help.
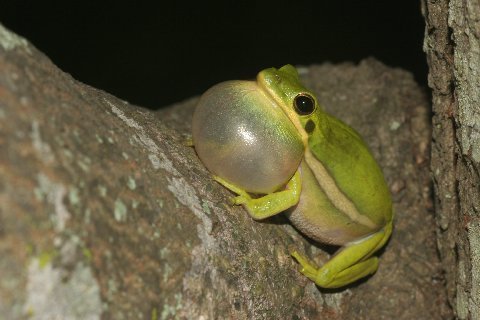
x: 351, y: 263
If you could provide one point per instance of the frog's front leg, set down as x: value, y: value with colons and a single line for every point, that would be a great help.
x: 351, y: 263
x: 270, y: 204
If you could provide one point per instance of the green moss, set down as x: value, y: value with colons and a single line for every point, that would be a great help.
x: 45, y: 258
x: 154, y: 315
x: 87, y: 254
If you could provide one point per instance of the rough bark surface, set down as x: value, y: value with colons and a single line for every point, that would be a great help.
x: 105, y: 213
x: 452, y: 44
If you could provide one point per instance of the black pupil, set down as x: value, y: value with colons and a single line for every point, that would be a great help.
x: 304, y: 104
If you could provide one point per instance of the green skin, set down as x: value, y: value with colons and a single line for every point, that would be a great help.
x: 338, y: 195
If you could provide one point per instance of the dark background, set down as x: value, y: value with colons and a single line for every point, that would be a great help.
x: 158, y: 53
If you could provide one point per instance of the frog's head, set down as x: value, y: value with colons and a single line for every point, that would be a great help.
x: 299, y: 104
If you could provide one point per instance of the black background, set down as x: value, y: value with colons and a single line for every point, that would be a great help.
x: 157, y: 53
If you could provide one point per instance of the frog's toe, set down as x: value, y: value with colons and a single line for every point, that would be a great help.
x: 308, y: 269
x: 238, y: 200
x: 188, y: 142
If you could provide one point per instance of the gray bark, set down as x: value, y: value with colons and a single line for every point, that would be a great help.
x: 104, y: 212
x: 452, y: 44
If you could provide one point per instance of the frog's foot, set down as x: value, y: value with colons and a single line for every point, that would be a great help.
x: 243, y: 196
x: 325, y: 278
x: 269, y: 204
x: 309, y: 269
x: 352, y: 262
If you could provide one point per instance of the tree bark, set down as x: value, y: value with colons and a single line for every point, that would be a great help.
x: 452, y: 44
x: 105, y: 213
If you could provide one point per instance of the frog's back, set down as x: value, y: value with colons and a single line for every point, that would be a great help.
x: 346, y: 157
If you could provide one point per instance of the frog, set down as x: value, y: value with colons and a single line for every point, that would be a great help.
x: 271, y: 143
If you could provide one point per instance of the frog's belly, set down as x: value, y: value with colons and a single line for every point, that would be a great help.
x: 318, y: 218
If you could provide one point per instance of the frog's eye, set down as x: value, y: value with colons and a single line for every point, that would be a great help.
x: 304, y: 104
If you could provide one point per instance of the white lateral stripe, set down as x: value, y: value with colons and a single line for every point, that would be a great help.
x: 334, y: 194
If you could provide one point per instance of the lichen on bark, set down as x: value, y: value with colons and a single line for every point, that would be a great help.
x: 452, y: 45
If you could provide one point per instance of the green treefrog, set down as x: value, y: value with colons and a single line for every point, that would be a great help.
x: 270, y: 142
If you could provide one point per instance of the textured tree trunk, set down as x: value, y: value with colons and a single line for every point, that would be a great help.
x: 452, y: 44
x: 105, y: 213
